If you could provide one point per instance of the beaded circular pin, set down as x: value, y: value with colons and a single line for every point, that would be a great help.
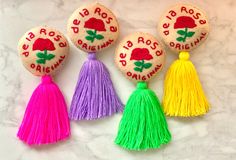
x: 183, y: 27
x: 43, y: 50
x: 140, y: 57
x: 93, y: 28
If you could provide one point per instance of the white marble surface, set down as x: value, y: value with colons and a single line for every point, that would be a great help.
x: 212, y: 137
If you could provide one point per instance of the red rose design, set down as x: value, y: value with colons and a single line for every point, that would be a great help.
x: 96, y: 24
x: 184, y: 22
x: 43, y: 44
x: 140, y: 54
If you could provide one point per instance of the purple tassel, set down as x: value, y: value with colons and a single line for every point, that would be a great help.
x: 94, y: 95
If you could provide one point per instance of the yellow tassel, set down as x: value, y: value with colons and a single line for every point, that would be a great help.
x: 183, y: 93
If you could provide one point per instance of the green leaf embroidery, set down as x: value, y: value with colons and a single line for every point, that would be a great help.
x: 89, y: 38
x: 40, y: 61
x: 40, y: 55
x: 190, y: 34
x: 99, y: 36
x: 181, y: 32
x: 138, y: 63
x: 90, y: 32
x: 180, y: 39
x: 50, y: 56
x: 138, y: 69
x: 147, y: 65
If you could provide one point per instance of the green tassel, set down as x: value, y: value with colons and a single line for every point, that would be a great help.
x: 143, y: 124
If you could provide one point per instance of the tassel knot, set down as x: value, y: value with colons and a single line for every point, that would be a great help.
x: 184, y: 56
x: 46, y: 79
x: 142, y: 85
x: 92, y: 56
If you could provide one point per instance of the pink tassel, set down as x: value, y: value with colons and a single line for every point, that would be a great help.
x: 46, y: 118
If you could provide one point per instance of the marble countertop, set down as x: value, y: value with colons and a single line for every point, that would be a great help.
x: 212, y: 137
